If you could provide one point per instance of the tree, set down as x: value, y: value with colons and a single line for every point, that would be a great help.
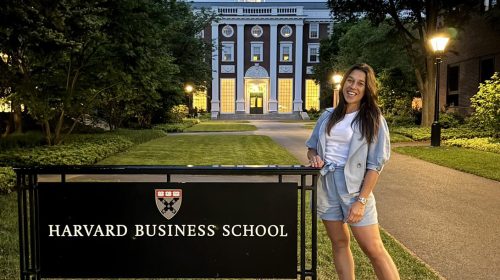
x: 414, y: 21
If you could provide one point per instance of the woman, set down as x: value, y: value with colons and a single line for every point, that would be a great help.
x: 351, y: 145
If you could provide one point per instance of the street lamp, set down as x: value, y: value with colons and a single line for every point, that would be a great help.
x: 438, y: 44
x: 189, y: 89
x: 337, y: 78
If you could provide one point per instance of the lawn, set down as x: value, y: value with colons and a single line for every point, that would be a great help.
x: 206, y: 150
x: 484, y: 164
x: 210, y: 126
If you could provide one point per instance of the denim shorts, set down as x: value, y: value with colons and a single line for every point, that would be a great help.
x: 334, y: 201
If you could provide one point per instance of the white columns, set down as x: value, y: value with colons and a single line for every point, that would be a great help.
x: 240, y: 68
x: 215, y: 72
x: 297, y: 100
x: 273, y: 103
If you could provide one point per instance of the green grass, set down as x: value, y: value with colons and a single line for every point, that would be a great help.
x: 211, y: 126
x: 9, y: 239
x: 209, y: 150
x: 205, y: 150
x: 397, y: 138
x: 484, y: 164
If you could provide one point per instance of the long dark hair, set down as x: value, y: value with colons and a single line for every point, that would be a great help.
x: 369, y: 113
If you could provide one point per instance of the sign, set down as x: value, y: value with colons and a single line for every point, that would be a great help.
x: 162, y: 230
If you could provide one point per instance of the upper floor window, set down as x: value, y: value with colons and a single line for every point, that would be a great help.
x: 200, y: 34
x: 228, y: 51
x: 286, y: 31
x: 227, y: 31
x: 313, y: 53
x: 314, y: 30
x: 257, y: 52
x: 257, y: 31
x: 286, y: 52
x: 486, y: 69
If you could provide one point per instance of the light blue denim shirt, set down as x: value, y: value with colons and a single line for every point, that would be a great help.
x: 362, y: 156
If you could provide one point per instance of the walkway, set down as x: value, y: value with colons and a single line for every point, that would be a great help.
x: 448, y: 218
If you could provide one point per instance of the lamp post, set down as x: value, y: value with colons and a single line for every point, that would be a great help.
x: 189, y: 89
x: 336, y: 78
x: 438, y: 44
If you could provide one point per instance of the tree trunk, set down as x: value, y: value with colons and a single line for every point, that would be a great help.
x: 429, y: 93
x: 59, y: 126
x: 48, y: 135
x: 18, y: 119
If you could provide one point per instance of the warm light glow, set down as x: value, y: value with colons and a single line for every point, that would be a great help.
x: 438, y: 43
x: 188, y: 88
x: 4, y: 57
x: 337, y: 78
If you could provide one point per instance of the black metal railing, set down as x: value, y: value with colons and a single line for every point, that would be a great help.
x: 28, y: 178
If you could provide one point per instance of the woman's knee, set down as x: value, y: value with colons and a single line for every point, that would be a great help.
x: 340, y: 242
x: 373, y: 250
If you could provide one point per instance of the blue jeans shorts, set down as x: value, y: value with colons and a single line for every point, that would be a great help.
x: 334, y: 201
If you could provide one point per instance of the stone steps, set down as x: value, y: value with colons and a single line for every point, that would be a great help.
x: 271, y: 116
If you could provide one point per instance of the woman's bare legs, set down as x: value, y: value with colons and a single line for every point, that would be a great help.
x: 369, y: 240
x: 339, y: 235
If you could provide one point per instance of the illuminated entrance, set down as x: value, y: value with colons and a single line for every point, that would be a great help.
x: 256, y: 95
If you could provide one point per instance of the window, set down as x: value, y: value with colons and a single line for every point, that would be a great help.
x: 314, y: 30
x: 487, y: 68
x: 200, y: 35
x: 285, y: 93
x: 228, y: 51
x: 286, y: 31
x: 453, y: 78
x: 227, y: 93
x: 312, y: 95
x: 257, y: 52
x: 313, y: 53
x: 227, y: 31
x: 257, y: 31
x: 200, y: 100
x: 286, y: 52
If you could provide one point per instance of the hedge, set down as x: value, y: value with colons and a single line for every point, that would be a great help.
x: 484, y: 144
x: 85, y: 149
x: 424, y: 133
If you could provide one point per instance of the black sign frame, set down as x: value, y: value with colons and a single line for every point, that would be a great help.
x: 29, y: 216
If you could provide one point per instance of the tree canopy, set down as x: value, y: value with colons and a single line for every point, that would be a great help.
x: 414, y: 22
x: 121, y: 60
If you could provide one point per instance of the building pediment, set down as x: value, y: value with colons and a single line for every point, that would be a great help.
x: 256, y: 72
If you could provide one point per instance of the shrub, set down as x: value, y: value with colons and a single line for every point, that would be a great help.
x: 177, y: 114
x: 314, y: 114
x: 82, y: 149
x: 7, y: 180
x: 424, y: 133
x: 22, y: 140
x: 450, y: 120
x: 483, y: 144
x: 486, y: 103
x: 177, y: 127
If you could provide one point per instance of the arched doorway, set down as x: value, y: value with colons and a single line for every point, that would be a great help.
x: 256, y: 90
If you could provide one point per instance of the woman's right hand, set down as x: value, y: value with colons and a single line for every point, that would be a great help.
x: 316, y: 161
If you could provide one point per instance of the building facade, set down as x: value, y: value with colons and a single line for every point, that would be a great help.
x: 263, y: 57
x: 472, y: 57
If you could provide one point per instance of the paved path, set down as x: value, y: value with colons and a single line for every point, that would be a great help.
x: 448, y: 218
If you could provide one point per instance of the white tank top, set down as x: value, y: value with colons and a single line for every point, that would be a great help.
x: 337, y: 143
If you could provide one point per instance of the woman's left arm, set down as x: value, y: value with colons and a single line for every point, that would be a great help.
x: 378, y: 154
x: 357, y: 209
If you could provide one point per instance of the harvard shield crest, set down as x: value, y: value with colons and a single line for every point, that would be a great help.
x: 168, y: 202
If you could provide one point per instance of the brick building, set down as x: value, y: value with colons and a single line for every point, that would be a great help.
x: 472, y: 57
x: 263, y: 55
